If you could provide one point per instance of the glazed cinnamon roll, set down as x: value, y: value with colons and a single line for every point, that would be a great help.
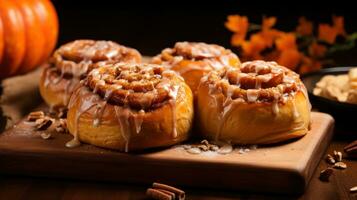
x: 130, y: 107
x: 72, y: 61
x: 193, y: 60
x: 258, y: 103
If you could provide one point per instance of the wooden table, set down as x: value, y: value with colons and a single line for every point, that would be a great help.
x: 14, y: 187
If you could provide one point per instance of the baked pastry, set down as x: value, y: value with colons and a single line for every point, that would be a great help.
x: 72, y: 61
x: 258, y: 103
x: 193, y: 60
x: 130, y: 107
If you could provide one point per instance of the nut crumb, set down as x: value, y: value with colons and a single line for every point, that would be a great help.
x: 33, y: 116
x: 62, y: 113
x: 203, y: 147
x: 340, y: 165
x: 45, y: 136
x: 186, y: 146
x: 205, y: 142
x: 325, y: 174
x: 225, y: 149
x: 337, y: 155
x: 353, y: 189
x: 330, y: 160
x: 43, y: 123
x: 213, y: 147
x: 61, y: 127
x: 194, y: 150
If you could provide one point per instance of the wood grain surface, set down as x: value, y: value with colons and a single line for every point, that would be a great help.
x: 284, y: 168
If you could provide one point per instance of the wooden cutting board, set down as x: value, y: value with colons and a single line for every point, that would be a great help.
x: 284, y: 168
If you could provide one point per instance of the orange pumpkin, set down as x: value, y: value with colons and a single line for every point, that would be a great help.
x: 28, y: 34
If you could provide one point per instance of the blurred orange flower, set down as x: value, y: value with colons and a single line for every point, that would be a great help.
x: 268, y: 22
x: 309, y: 65
x: 317, y: 50
x: 327, y: 33
x: 239, y: 26
x: 286, y: 41
x: 289, y: 58
x: 268, y: 33
x: 338, y: 24
x: 305, y: 27
x: 301, y: 50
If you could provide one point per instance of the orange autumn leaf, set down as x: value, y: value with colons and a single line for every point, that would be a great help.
x: 338, y: 24
x: 251, y: 50
x: 289, y: 58
x: 258, y: 42
x: 305, y: 27
x: 309, y: 65
x: 327, y: 33
x: 268, y: 22
x: 237, y: 24
x: 286, y: 41
x: 317, y: 50
x: 267, y: 33
x: 269, y: 43
x: 237, y: 39
x: 270, y: 36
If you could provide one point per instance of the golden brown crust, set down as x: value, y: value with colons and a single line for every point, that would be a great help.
x: 79, y: 56
x: 193, y: 60
x: 142, y: 118
x: 72, y: 61
x: 258, y: 103
x: 137, y: 86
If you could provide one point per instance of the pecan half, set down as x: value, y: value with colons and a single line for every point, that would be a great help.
x: 325, y: 174
x: 33, y: 116
x: 43, y: 123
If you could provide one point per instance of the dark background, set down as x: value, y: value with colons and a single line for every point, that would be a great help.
x: 154, y: 25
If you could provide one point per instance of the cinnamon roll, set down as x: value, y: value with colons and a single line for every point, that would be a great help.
x: 258, y: 103
x: 72, y: 61
x: 193, y: 60
x: 130, y: 107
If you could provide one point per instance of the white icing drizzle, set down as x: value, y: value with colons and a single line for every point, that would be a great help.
x: 101, y: 107
x: 258, y: 83
x: 265, y: 78
x: 138, y: 121
x: 173, y: 94
x: 259, y: 68
x: 295, y: 111
x: 230, y: 92
x: 275, y: 104
x: 89, y: 101
x: 123, y: 117
x: 252, y: 95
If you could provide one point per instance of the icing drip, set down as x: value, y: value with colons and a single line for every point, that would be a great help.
x: 100, y: 108
x: 89, y: 101
x: 127, y: 120
x: 123, y: 116
x: 230, y: 92
x: 173, y: 94
x: 275, y: 104
x: 258, y: 83
x: 295, y: 111
x: 138, y: 121
x: 252, y: 95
